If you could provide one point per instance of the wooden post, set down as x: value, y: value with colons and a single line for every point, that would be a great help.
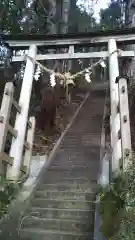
x: 115, y: 116
x: 4, y: 118
x: 125, y: 120
x: 16, y: 150
x: 130, y: 22
x: 30, y: 139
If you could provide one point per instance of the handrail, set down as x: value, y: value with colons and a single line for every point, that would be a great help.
x: 103, y: 177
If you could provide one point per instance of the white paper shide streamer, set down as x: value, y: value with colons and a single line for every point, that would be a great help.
x: 52, y: 80
x: 87, y: 76
x: 37, y: 73
x: 103, y: 65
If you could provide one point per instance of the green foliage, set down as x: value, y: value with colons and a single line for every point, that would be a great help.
x: 36, y: 17
x: 111, y: 17
x: 127, y: 215
x: 118, y: 207
x: 8, y: 191
x: 16, y: 16
x: 11, y: 14
x: 81, y: 21
x: 111, y: 202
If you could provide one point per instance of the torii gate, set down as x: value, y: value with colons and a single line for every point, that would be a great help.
x: 118, y: 92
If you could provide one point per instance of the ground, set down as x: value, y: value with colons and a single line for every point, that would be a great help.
x: 44, y: 141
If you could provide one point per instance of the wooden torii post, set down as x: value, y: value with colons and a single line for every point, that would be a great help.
x: 16, y: 150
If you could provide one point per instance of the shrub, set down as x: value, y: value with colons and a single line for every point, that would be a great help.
x: 8, y: 191
x: 117, y: 206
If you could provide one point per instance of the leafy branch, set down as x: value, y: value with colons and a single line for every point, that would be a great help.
x: 117, y: 206
x: 8, y: 191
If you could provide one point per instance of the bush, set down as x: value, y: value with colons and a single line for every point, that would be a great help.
x: 8, y: 191
x: 117, y: 206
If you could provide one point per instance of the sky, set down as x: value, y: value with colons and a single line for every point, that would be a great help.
x: 101, y: 4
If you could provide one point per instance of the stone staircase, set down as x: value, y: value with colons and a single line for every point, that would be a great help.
x: 63, y: 205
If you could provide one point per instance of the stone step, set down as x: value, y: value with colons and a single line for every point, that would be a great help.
x: 78, y: 156
x: 87, y: 139
x: 58, y: 180
x: 86, y: 187
x: 38, y: 234
x: 59, y: 177
x: 74, y: 164
x: 77, y: 159
x: 55, y: 224
x: 83, y: 173
x: 65, y: 195
x: 70, y: 135
x: 65, y: 204
x: 74, y: 214
x: 71, y: 166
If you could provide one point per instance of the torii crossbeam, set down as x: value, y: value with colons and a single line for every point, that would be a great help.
x: 71, y: 41
x: 126, y: 36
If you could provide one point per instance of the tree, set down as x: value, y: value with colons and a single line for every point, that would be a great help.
x: 111, y: 17
x: 11, y: 14
x: 82, y: 16
x: 81, y: 21
x: 36, y: 16
x: 21, y: 16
